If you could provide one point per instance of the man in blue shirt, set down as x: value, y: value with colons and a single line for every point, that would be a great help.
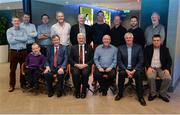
x: 105, y: 59
x: 44, y: 32
x: 17, y: 38
x: 30, y: 30
x: 130, y: 64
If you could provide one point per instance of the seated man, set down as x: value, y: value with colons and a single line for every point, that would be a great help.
x: 158, y: 62
x: 130, y: 63
x: 81, y: 58
x: 34, y: 63
x: 105, y: 59
x: 55, y: 66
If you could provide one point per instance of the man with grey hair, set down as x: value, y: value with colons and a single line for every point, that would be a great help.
x: 62, y: 29
x: 155, y: 28
x: 81, y: 58
x: 80, y: 27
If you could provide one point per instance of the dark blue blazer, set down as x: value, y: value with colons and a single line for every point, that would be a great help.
x: 62, y: 57
x: 137, y: 58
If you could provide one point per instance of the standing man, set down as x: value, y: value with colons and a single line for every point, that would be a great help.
x: 105, y: 59
x: 80, y: 28
x: 17, y: 38
x: 30, y: 30
x: 155, y: 28
x: 137, y: 32
x: 55, y: 66
x: 99, y: 29
x: 81, y: 58
x: 44, y: 32
x: 158, y: 62
x: 117, y: 32
x: 62, y: 29
x: 130, y: 63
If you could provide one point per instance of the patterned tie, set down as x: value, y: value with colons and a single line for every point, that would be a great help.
x: 81, y: 55
x: 55, y: 57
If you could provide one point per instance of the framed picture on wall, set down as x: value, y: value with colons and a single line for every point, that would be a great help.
x: 89, y: 14
x: 107, y: 17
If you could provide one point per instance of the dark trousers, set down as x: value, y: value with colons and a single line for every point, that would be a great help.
x: 15, y: 58
x: 32, y: 77
x: 44, y: 50
x: 138, y: 80
x: 107, y: 81
x: 29, y: 48
x: 80, y: 77
x: 49, y: 77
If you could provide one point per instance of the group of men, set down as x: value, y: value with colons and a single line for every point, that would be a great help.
x: 127, y: 52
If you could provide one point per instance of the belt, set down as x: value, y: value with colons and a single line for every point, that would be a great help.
x: 20, y: 50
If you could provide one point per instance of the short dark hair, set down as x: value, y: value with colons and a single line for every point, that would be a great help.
x: 54, y: 36
x: 134, y: 17
x: 100, y: 12
x: 156, y: 36
x: 44, y: 15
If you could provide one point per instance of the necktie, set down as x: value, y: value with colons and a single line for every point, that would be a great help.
x: 55, y: 57
x: 81, y: 55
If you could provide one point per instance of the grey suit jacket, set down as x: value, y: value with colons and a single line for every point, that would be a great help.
x: 137, y: 58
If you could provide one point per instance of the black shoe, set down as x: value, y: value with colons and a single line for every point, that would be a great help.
x: 118, y: 97
x: 50, y: 94
x: 151, y: 98
x: 142, y: 101
x: 83, y: 95
x: 104, y: 93
x: 164, y: 98
x: 59, y: 94
x: 77, y: 95
x: 11, y: 89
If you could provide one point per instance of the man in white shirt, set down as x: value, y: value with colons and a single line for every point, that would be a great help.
x: 62, y: 29
x: 158, y: 62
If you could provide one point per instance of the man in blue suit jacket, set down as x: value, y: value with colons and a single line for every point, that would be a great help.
x: 55, y: 65
x: 130, y: 63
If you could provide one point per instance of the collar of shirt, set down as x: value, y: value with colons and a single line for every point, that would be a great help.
x: 81, y: 45
x: 109, y: 46
x: 34, y: 54
x: 16, y: 28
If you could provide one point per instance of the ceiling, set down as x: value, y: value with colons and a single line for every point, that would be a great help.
x: 112, y: 4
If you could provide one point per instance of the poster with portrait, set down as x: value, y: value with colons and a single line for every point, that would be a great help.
x: 89, y: 14
x: 107, y: 17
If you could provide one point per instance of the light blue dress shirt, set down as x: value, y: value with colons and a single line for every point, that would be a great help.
x: 105, y: 57
x: 31, y: 32
x: 17, y: 38
x: 129, y: 49
x: 44, y: 29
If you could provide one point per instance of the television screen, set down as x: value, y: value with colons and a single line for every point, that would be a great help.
x: 89, y: 14
x: 107, y: 17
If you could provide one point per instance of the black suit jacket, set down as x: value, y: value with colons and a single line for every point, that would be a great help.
x: 75, y: 30
x: 165, y: 57
x: 137, y: 58
x: 74, y: 55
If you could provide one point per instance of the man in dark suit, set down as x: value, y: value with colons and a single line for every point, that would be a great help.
x: 81, y: 58
x: 158, y: 62
x: 55, y: 65
x: 130, y: 63
x: 80, y: 28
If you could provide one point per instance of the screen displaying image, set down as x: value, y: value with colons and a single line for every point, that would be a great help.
x: 107, y: 17
x: 89, y: 14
